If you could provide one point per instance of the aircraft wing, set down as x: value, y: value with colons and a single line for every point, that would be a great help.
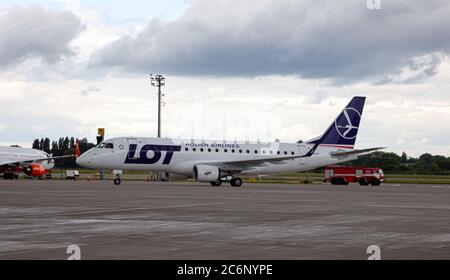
x: 25, y: 162
x: 238, y: 166
x: 241, y: 165
x: 355, y: 152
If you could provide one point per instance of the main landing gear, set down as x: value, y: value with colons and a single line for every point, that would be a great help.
x: 234, y: 181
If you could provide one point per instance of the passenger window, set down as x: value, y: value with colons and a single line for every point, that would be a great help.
x: 186, y: 149
x: 292, y: 153
x: 278, y: 152
x: 240, y: 151
x: 209, y: 150
x: 233, y: 151
x: 101, y: 145
x: 248, y: 151
x: 201, y: 150
x: 225, y: 150
x: 109, y: 146
x: 256, y: 151
x: 285, y: 152
x: 217, y: 150
x: 194, y: 149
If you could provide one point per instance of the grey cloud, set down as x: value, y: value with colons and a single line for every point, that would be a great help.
x: 342, y: 40
x: 33, y: 32
x: 89, y: 90
x: 417, y: 70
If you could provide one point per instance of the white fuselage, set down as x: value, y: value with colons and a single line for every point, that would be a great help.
x: 179, y: 156
x: 9, y: 155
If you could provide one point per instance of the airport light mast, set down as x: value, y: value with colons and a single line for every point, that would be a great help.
x: 158, y: 81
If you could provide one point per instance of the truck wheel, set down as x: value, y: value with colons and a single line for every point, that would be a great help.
x: 341, y: 181
x: 363, y: 182
x: 117, y: 181
x: 375, y: 182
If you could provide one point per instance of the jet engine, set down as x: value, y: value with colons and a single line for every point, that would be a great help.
x: 35, y: 170
x: 206, y: 173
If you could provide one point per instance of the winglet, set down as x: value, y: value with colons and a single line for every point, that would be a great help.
x: 77, y: 149
x: 311, y: 151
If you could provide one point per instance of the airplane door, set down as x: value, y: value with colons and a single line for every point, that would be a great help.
x: 303, y: 151
x: 132, y: 144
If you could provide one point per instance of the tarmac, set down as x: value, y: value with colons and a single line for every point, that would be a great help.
x: 182, y: 220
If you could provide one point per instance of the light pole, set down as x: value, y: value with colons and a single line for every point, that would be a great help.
x: 158, y: 81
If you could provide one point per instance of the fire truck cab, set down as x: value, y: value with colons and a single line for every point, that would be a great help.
x: 342, y: 175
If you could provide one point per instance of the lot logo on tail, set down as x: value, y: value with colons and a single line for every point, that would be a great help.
x: 346, y: 123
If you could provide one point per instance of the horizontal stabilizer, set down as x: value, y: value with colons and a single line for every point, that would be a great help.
x: 355, y: 152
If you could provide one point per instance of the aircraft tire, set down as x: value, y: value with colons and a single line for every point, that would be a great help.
x: 117, y: 181
x: 236, y: 182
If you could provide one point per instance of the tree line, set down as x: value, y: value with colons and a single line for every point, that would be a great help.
x: 403, y: 164
x: 64, y: 146
x: 389, y: 162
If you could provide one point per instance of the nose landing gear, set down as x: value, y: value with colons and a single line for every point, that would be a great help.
x: 117, y: 181
x: 117, y: 174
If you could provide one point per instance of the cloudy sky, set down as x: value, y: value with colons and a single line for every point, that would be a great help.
x: 236, y: 70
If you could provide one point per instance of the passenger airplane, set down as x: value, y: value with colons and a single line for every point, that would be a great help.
x: 217, y: 162
x: 32, y: 162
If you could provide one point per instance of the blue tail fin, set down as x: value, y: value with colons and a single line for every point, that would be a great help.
x: 344, y: 129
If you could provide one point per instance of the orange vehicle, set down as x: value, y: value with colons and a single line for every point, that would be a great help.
x: 342, y: 175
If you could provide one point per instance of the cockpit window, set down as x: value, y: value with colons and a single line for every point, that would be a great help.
x: 109, y: 146
x: 101, y: 145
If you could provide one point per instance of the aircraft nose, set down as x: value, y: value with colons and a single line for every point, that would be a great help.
x: 82, y: 161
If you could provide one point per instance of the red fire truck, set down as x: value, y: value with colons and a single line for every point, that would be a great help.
x: 342, y: 175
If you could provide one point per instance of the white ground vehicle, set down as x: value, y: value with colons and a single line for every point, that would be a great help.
x: 72, y: 174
